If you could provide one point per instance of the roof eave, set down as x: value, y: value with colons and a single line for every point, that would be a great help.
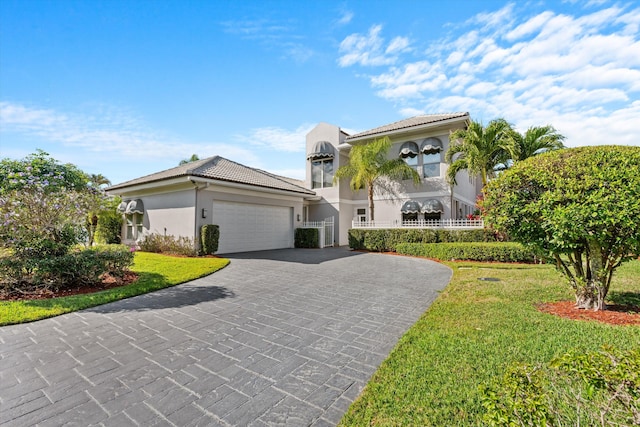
x: 126, y: 188
x: 224, y: 183
x: 409, y: 129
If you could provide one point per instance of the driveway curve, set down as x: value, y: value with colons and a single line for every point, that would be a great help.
x: 287, y: 337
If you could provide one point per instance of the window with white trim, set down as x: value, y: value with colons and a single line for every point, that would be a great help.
x: 134, y: 226
x: 322, y: 173
x: 431, y: 165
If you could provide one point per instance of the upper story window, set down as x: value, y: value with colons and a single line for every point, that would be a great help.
x: 425, y: 159
x: 321, y: 159
x: 322, y: 173
x: 431, y: 150
x: 409, y: 153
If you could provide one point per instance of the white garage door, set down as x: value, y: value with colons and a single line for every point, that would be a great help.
x: 248, y: 227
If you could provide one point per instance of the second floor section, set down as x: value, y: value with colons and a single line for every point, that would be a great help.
x: 421, y: 142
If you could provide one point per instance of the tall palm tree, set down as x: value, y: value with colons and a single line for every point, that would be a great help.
x: 536, y: 140
x: 479, y: 149
x: 97, y: 180
x: 369, y: 168
x: 193, y: 158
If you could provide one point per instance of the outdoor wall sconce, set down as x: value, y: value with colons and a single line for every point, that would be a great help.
x: 298, y: 217
x: 204, y: 213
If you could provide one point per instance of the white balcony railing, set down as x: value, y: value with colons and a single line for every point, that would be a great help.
x: 442, y: 223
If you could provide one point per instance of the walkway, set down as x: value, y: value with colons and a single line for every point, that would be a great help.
x: 286, y: 337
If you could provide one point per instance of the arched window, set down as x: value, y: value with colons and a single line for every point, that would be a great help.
x: 431, y: 157
x: 409, y: 153
x: 133, y: 212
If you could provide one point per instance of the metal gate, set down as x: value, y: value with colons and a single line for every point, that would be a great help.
x: 326, y: 230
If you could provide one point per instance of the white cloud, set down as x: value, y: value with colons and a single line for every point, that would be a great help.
x: 534, y: 68
x: 279, y: 139
x: 369, y: 50
x: 108, y: 132
x: 398, y: 44
x: 345, y: 17
x: 274, y: 35
x: 532, y: 25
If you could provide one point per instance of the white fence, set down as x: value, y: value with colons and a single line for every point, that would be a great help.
x: 325, y: 228
x: 441, y: 223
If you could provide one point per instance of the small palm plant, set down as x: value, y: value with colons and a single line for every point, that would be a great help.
x: 369, y: 168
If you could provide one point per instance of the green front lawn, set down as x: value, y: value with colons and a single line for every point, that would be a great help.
x: 156, y: 272
x: 473, y: 331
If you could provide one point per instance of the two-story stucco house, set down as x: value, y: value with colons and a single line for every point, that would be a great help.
x: 421, y: 142
x: 257, y: 210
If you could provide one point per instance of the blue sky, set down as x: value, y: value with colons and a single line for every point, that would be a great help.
x: 127, y: 88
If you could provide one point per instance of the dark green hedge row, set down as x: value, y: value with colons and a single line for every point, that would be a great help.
x: 307, y: 238
x: 387, y: 239
x: 209, y: 238
x: 475, y: 251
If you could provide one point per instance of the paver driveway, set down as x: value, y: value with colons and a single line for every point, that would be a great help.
x: 285, y: 337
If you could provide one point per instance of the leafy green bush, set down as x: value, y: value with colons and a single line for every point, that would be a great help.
x: 576, y: 388
x: 479, y: 235
x: 518, y: 398
x: 109, y: 227
x: 116, y: 258
x: 356, y: 238
x: 157, y: 243
x: 72, y: 269
x: 471, y: 251
x: 209, y: 238
x: 578, y: 207
x: 377, y: 240
x: 387, y: 239
x: 307, y: 238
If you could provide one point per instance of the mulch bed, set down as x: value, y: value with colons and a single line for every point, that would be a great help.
x: 613, y: 315
x: 108, y: 282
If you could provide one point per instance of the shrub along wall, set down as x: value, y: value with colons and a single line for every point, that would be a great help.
x: 307, y: 238
x: 209, y: 238
x: 476, y: 251
x: 387, y: 239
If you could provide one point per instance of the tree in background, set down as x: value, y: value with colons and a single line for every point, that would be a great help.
x: 370, y: 168
x: 578, y: 207
x: 193, y: 158
x: 109, y: 226
x: 43, y: 205
x: 98, y: 180
x: 479, y: 149
x: 537, y: 140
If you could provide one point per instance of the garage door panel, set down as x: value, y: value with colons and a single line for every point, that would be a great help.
x: 250, y: 227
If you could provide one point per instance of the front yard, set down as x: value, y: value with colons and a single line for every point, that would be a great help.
x: 155, y: 272
x: 472, y: 333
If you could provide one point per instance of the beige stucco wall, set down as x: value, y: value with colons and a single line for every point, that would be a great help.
x: 342, y: 202
x: 177, y: 209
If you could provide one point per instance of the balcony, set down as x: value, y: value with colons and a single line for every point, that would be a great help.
x: 459, y: 224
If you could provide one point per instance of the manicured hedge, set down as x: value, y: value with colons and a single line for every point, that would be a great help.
x: 209, y: 238
x: 470, y: 251
x: 307, y: 238
x: 387, y: 239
